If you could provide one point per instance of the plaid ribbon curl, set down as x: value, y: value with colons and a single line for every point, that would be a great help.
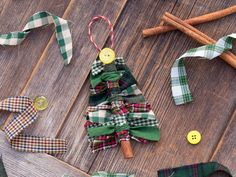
x: 26, y: 115
x: 40, y: 19
x: 179, y: 83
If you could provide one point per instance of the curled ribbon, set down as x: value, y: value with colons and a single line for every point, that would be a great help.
x: 179, y: 83
x: 40, y: 19
x: 26, y: 116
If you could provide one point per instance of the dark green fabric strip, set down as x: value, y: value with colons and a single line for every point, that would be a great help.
x: 194, y: 170
x: 98, y: 131
x: 148, y: 133
x: 106, y: 76
x: 3, y: 172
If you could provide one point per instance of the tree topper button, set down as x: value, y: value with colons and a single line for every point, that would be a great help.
x: 107, y: 55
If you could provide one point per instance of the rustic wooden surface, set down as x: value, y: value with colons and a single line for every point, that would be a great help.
x: 35, y: 68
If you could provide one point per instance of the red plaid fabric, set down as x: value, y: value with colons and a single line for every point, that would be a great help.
x: 26, y: 116
x: 111, y: 84
x: 99, y: 107
x: 108, y: 141
x: 139, y: 107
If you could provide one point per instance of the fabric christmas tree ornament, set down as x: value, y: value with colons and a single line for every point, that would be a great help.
x: 40, y: 19
x: 195, y: 170
x: 106, y: 174
x: 179, y: 83
x: 117, y: 109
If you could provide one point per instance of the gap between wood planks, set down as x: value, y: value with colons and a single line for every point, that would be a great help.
x: 43, y: 57
x: 220, y: 142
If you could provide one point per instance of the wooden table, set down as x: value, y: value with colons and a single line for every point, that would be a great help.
x: 35, y: 68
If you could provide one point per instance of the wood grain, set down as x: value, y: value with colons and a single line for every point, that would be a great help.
x: 60, y: 84
x: 211, y: 93
x: 225, y: 152
x: 67, y: 89
x: 18, y: 62
x: 19, y: 164
x: 79, y: 153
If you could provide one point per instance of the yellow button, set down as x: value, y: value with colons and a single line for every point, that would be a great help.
x: 40, y: 103
x: 194, y: 137
x: 107, y: 55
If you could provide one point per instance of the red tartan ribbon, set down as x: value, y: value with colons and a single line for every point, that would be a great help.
x: 26, y: 116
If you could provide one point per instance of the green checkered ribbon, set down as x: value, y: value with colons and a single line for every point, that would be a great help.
x: 179, y: 83
x: 106, y: 174
x: 195, y: 170
x: 40, y: 19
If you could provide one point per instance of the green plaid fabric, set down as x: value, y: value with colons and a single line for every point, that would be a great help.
x: 3, y: 172
x: 179, y: 83
x: 98, y: 66
x: 40, y: 19
x: 106, y: 174
x: 195, y: 170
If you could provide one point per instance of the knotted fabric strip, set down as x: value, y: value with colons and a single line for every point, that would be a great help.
x: 195, y: 170
x: 26, y: 115
x: 106, y: 174
x: 40, y: 19
x: 179, y: 83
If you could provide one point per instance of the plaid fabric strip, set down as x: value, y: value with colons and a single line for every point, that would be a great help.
x: 106, y: 174
x: 98, y: 66
x: 26, y: 115
x: 132, y: 90
x: 108, y: 141
x: 38, y: 144
x: 194, y: 170
x: 179, y: 83
x: 40, y: 19
x: 142, y: 119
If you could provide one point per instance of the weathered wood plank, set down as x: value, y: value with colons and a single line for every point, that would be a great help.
x: 60, y: 84
x: 17, y: 62
x: 225, y: 152
x: 214, y: 97
x: 79, y: 153
x: 19, y: 164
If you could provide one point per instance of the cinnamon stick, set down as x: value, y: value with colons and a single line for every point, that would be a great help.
x: 192, y: 21
x: 197, y: 35
x: 127, y: 149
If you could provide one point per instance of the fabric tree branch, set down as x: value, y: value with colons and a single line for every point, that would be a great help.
x: 179, y: 83
x: 40, y: 19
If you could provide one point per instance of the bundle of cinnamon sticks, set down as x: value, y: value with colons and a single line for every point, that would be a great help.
x: 185, y: 27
